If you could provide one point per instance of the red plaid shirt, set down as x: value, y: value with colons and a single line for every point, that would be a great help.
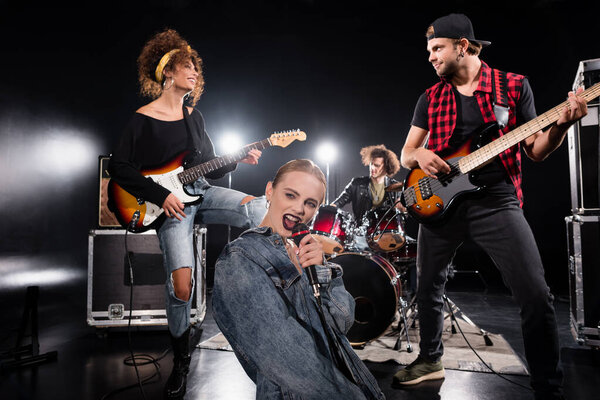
x: 442, y: 118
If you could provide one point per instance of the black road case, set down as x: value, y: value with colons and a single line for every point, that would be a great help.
x: 109, y: 281
x: 583, y: 238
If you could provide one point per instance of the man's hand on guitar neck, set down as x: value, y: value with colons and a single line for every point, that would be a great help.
x: 429, y: 162
x: 541, y: 144
x: 173, y: 207
x: 576, y: 110
x: 252, y: 157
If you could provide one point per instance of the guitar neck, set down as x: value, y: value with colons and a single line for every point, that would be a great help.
x: 193, y: 173
x: 491, y: 150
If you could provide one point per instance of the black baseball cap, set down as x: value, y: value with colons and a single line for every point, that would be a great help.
x: 455, y: 26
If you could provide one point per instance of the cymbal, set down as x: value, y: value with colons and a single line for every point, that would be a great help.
x: 394, y: 187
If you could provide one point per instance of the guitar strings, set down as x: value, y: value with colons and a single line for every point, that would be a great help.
x: 434, y: 184
x: 522, y: 132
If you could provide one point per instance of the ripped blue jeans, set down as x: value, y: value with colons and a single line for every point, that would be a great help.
x: 219, y: 206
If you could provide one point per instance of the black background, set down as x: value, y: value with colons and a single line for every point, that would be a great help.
x: 348, y: 72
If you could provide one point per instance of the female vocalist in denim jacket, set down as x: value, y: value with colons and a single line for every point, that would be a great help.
x: 265, y: 307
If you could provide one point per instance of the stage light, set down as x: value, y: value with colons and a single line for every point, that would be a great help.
x: 326, y: 152
x: 230, y: 143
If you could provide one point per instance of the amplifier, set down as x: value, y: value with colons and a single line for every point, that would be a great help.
x: 584, y: 146
x: 109, y: 282
x: 584, y: 162
x: 583, y: 237
x: 106, y: 218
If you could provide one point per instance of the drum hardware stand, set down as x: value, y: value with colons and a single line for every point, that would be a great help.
x: 27, y: 355
x: 403, y: 305
x: 453, y: 310
x: 452, y: 272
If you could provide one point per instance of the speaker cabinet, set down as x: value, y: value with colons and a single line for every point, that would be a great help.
x: 584, y: 163
x: 109, y: 279
x: 583, y: 239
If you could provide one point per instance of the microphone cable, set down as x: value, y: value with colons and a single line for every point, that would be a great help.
x: 131, y: 360
x: 134, y: 219
x: 446, y: 300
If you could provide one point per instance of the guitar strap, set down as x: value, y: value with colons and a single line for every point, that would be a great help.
x: 500, y: 93
x: 191, y: 143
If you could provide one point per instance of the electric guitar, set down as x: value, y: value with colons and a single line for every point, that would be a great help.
x: 137, y: 215
x: 428, y: 199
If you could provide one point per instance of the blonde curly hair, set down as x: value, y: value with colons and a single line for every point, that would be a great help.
x: 152, y: 52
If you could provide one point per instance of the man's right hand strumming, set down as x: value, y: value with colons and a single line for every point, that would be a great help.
x: 430, y: 163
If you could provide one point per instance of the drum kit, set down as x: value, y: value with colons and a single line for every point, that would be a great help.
x: 376, y: 256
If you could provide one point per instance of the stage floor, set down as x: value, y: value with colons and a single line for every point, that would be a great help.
x: 90, y: 366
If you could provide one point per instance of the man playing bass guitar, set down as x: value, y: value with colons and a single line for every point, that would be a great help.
x: 446, y: 115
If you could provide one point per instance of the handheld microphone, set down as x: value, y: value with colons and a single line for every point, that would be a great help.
x: 298, y: 233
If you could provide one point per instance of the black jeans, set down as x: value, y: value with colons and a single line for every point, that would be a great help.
x: 496, y: 223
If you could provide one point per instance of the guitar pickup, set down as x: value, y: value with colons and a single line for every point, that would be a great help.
x: 425, y: 188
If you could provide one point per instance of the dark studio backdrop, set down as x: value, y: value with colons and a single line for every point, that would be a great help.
x: 345, y: 72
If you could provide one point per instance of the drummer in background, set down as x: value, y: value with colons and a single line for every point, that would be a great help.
x: 368, y: 192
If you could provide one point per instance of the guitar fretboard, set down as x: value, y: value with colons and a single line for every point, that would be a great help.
x: 193, y: 173
x: 491, y: 150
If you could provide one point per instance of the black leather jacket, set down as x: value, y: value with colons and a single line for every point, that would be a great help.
x: 357, y: 192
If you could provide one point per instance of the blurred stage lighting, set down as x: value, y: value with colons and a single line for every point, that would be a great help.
x: 37, y: 158
x: 39, y: 270
x: 326, y: 152
x: 230, y: 143
x: 67, y: 153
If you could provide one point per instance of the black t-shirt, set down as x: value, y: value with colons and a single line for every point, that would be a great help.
x: 468, y: 120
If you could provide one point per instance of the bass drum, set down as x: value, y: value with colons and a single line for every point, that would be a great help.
x: 376, y: 288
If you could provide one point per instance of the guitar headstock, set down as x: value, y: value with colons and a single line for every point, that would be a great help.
x: 283, y: 139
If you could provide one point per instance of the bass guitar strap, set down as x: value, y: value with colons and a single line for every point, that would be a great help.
x: 500, y: 97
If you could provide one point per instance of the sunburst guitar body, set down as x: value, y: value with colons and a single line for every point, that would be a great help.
x: 137, y: 215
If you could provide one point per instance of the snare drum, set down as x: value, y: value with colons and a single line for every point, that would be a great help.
x: 376, y: 288
x: 334, y: 228
x: 384, y: 229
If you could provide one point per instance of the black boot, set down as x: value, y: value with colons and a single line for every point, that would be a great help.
x: 175, y: 388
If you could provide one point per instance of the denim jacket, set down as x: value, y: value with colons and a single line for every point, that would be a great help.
x: 267, y: 311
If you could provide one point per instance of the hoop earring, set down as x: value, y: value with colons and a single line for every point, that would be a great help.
x: 267, y: 204
x: 164, y: 84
